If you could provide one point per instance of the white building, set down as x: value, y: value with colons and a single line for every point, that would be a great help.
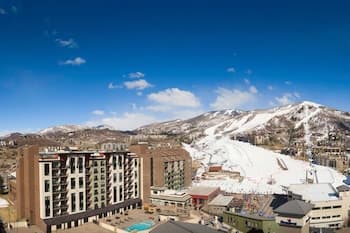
x: 331, y: 206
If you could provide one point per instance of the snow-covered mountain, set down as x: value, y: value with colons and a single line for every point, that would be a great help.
x: 260, y: 169
x: 61, y: 129
x: 304, y: 122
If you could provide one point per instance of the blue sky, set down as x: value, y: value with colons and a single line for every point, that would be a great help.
x: 129, y: 63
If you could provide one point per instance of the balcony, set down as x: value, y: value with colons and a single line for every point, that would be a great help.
x: 56, y: 191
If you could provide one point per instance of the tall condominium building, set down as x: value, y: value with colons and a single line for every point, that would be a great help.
x: 163, y: 166
x: 62, y: 188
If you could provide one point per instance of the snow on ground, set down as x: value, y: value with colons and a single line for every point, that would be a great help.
x: 3, y: 203
x: 255, y: 164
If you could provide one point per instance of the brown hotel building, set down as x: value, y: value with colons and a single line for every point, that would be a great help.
x: 163, y: 166
x: 62, y: 188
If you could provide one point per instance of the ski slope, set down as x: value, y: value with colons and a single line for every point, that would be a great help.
x: 257, y: 165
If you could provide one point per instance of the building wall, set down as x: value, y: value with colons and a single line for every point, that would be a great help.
x: 163, y: 167
x: 28, y: 198
x: 247, y: 223
x: 216, y: 210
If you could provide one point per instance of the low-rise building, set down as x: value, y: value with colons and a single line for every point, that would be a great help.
x: 294, y: 217
x: 177, y: 201
x: 330, y: 205
x: 201, y: 195
x: 220, y: 204
x: 244, y: 223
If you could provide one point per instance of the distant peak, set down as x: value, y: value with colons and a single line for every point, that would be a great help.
x: 309, y: 103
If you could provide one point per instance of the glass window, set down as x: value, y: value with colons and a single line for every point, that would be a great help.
x: 72, y: 165
x: 47, y: 207
x: 80, y: 165
x: 114, y: 194
x: 73, y: 202
x: 81, y: 201
x: 47, y: 186
x: 120, y: 177
x: 81, y: 182
x: 47, y: 169
x: 72, y: 183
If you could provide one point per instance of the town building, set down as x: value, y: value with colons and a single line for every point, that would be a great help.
x: 177, y: 201
x: 220, y: 204
x: 58, y: 189
x: 163, y: 166
x: 244, y: 223
x: 294, y: 217
x: 201, y: 195
x: 330, y: 206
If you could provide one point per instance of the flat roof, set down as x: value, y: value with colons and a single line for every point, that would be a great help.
x: 202, y: 190
x: 221, y: 200
x: 315, y: 192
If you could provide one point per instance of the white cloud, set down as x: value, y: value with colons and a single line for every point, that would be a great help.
x: 2, y: 11
x: 128, y: 121
x: 159, y: 108
x: 287, y: 98
x: 253, y: 89
x: 247, y: 81
x: 139, y: 93
x: 249, y: 72
x: 231, y: 70
x: 98, y: 112
x: 175, y: 97
x: 228, y: 99
x: 136, y: 75
x: 14, y: 9
x: 74, y: 62
x: 140, y: 84
x: 112, y: 86
x: 70, y: 43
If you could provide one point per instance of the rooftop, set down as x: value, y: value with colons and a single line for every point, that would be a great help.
x: 295, y: 207
x: 221, y: 200
x: 202, y: 190
x: 315, y: 192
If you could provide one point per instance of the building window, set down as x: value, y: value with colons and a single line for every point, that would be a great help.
x: 114, y: 177
x: 72, y: 165
x: 120, y: 193
x: 73, y: 202
x: 47, y: 186
x: 114, y: 163
x: 120, y: 177
x: 120, y: 161
x: 81, y: 201
x: 135, y: 162
x: 114, y: 194
x: 72, y: 183
x: 80, y: 165
x: 47, y: 207
x: 81, y: 182
x: 47, y: 169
